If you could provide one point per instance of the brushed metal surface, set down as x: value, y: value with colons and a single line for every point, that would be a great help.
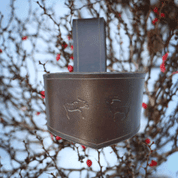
x: 89, y: 41
x: 95, y: 110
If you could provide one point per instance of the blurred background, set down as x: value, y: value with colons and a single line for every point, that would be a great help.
x: 20, y: 18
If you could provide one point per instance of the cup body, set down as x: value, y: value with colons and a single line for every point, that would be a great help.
x: 94, y: 109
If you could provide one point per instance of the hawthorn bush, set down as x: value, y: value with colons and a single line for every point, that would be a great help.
x: 37, y: 41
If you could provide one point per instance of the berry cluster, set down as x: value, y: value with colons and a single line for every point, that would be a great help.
x: 144, y: 105
x: 156, y: 11
x: 162, y: 66
x: 154, y: 21
x: 64, y: 45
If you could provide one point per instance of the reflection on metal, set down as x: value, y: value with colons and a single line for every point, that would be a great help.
x: 78, y: 105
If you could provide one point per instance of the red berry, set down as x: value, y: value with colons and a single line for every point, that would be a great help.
x: 162, y: 67
x: 37, y: 113
x: 144, y: 105
x: 154, y: 21
x: 24, y: 37
x: 147, y: 140
x: 72, y: 47
x: 64, y: 46
x: 162, y: 15
x: 70, y: 68
x: 72, y: 57
x: 83, y: 147
x: 89, y: 162
x: 42, y: 94
x: 57, y: 57
x: 164, y: 58
x: 58, y: 138
x: 155, y: 10
x: 0, y: 50
x: 153, y: 163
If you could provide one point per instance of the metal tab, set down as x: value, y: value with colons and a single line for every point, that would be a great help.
x: 89, y: 39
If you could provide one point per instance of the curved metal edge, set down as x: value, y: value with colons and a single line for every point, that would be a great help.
x: 93, y: 77
x: 92, y: 73
x: 92, y: 145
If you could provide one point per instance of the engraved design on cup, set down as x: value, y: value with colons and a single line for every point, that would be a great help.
x: 78, y: 105
x: 117, y: 109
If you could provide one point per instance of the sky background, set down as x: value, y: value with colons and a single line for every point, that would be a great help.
x: 67, y: 158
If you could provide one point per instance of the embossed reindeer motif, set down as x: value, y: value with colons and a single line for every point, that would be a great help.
x: 116, y: 108
x: 78, y: 105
